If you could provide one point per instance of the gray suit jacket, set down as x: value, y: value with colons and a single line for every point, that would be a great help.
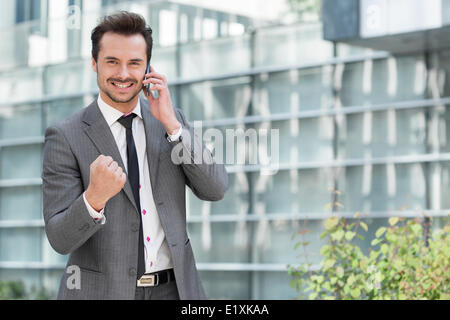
x: 107, y: 254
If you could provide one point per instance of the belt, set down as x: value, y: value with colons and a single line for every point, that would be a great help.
x: 156, y: 278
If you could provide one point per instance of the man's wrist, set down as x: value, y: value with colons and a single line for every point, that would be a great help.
x: 95, y: 204
x: 173, y: 129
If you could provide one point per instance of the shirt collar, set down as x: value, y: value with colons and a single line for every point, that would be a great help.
x: 111, y: 114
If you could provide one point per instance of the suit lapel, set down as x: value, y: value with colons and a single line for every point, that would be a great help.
x: 100, y: 134
x: 154, y: 133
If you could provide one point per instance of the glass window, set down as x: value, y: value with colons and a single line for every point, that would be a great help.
x: 292, y: 191
x: 57, y: 110
x: 28, y: 10
x: 444, y: 185
x: 439, y: 85
x: 164, y: 60
x: 20, y: 244
x: 235, y: 201
x: 382, y: 133
x: 219, y: 242
x: 20, y: 203
x: 293, y: 91
x: 291, y: 45
x: 50, y: 256
x: 299, y: 140
x: 216, y: 99
x: 441, y: 136
x: 21, y: 85
x: 394, y: 79
x: 215, y: 57
x: 234, y: 285
x: 21, y: 162
x: 383, y: 187
x: 72, y: 77
x: 273, y: 242
x: 18, y: 121
x: 273, y: 285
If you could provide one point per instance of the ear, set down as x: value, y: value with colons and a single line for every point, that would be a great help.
x: 94, y: 64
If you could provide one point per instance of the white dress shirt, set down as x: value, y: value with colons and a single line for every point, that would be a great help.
x: 157, y: 254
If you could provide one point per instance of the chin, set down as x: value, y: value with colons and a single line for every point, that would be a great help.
x: 121, y: 98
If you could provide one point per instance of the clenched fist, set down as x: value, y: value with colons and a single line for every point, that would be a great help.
x: 106, y: 180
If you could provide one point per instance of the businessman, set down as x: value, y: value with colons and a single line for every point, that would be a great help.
x: 113, y: 190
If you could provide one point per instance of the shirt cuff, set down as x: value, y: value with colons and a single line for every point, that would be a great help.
x: 176, y: 136
x: 98, y: 217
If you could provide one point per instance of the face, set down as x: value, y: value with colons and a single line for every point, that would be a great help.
x: 120, y: 68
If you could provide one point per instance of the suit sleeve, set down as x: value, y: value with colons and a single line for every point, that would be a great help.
x: 68, y: 223
x: 207, y: 179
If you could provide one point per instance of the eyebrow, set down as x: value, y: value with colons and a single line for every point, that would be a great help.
x: 131, y: 60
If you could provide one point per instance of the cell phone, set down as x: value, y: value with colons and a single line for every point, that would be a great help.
x: 147, y: 86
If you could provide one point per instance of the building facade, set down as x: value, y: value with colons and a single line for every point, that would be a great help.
x: 370, y: 124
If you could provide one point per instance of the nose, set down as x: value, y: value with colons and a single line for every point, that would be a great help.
x: 123, y: 73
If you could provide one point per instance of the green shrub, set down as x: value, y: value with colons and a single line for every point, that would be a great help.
x: 12, y: 290
x: 401, y: 263
x: 15, y: 290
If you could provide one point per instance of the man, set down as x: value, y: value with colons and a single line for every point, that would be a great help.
x: 113, y: 190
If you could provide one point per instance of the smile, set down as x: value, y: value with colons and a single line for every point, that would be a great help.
x: 122, y: 86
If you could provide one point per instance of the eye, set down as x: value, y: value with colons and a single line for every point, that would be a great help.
x: 111, y: 62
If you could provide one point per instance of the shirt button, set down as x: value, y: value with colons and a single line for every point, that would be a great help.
x: 135, y: 227
x: 132, y: 272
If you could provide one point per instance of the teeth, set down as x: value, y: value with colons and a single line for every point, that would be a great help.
x: 122, y: 86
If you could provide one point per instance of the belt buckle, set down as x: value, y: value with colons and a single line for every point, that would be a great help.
x: 148, y: 281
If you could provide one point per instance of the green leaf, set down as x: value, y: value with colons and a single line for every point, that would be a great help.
x: 293, y: 283
x: 416, y: 228
x: 374, y: 254
x: 340, y: 272
x: 337, y: 235
x: 349, y: 235
x: 363, y: 225
x: 363, y: 264
x: 398, y: 264
x: 330, y: 223
x: 384, y: 248
x: 312, y: 296
x: 324, y: 234
x: 351, y: 280
x: 375, y: 242
x: 346, y: 289
x: 329, y: 263
x: 360, y: 236
x: 324, y: 249
x: 380, y: 232
x: 355, y: 293
x: 393, y: 221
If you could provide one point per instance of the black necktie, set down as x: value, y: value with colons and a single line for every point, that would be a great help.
x: 133, y: 177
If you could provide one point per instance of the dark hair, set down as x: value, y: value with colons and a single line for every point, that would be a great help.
x: 124, y: 23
